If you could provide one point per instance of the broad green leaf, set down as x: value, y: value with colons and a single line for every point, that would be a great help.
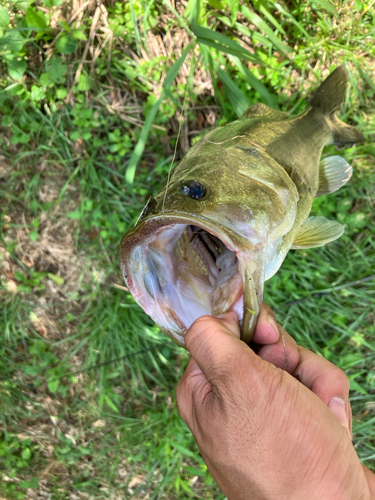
x: 4, y: 17
x: 33, y: 235
x: 32, y: 369
x: 140, y: 146
x: 223, y: 44
x: 61, y: 93
x: 37, y: 93
x: 26, y: 453
x: 13, y: 41
x: 46, y: 79
x: 22, y: 4
x: 216, y: 4
x: 79, y: 34
x: 35, y: 19
x: 237, y: 98
x: 56, y: 69
x: 30, y: 483
x: 327, y: 6
x: 57, y: 279
x: 66, y: 44
x: 75, y: 215
x: 264, y: 28
x: 118, y: 29
x: 17, y: 69
x: 53, y: 385
x: 84, y: 82
x: 65, y: 26
x: 52, y: 3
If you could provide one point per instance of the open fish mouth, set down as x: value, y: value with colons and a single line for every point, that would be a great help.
x: 179, y: 270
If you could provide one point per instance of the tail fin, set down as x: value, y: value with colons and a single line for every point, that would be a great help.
x: 329, y: 98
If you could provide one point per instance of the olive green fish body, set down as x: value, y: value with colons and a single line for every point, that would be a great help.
x: 232, y: 209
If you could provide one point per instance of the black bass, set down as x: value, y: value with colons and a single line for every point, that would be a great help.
x: 232, y: 209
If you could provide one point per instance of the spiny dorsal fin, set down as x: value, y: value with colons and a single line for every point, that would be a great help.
x: 316, y: 232
x: 264, y: 112
x: 334, y: 172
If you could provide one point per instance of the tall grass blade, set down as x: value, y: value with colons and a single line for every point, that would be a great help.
x: 234, y: 8
x: 223, y: 43
x: 140, y: 146
x: 327, y: 6
x: 271, y: 19
x: 192, y: 11
x: 178, y: 17
x: 287, y: 14
x: 263, y: 26
x: 237, y: 98
x: 175, y: 68
x: 136, y: 31
x: 364, y: 75
x: 256, y: 84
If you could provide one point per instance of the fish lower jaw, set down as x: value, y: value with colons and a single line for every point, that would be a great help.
x: 181, y: 272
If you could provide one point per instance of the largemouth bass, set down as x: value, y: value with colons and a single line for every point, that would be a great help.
x: 233, y: 208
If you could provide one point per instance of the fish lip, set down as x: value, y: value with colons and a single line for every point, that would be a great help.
x: 144, y: 228
x: 232, y: 240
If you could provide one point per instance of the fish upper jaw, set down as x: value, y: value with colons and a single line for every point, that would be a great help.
x: 180, y: 267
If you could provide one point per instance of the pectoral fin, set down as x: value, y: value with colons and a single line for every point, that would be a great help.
x: 334, y: 172
x: 316, y: 232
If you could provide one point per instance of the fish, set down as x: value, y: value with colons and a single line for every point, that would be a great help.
x: 232, y: 209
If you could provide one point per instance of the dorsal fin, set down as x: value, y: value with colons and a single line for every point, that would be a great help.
x: 264, y: 112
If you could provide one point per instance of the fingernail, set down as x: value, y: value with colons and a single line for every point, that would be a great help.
x: 348, y: 418
x: 339, y: 409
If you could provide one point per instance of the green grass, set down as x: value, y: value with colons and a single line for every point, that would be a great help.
x: 87, y: 382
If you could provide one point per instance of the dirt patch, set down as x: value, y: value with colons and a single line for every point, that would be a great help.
x: 39, y: 258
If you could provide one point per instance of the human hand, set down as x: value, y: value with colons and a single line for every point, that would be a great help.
x: 262, y: 433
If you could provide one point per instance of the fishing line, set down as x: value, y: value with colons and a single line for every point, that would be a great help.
x: 166, y: 344
x: 114, y: 360
x: 322, y: 293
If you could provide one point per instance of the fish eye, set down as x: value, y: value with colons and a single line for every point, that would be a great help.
x: 194, y: 189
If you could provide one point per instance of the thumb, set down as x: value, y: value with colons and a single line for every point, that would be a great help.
x: 215, y: 347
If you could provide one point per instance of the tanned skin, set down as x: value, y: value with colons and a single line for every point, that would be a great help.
x: 267, y: 433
